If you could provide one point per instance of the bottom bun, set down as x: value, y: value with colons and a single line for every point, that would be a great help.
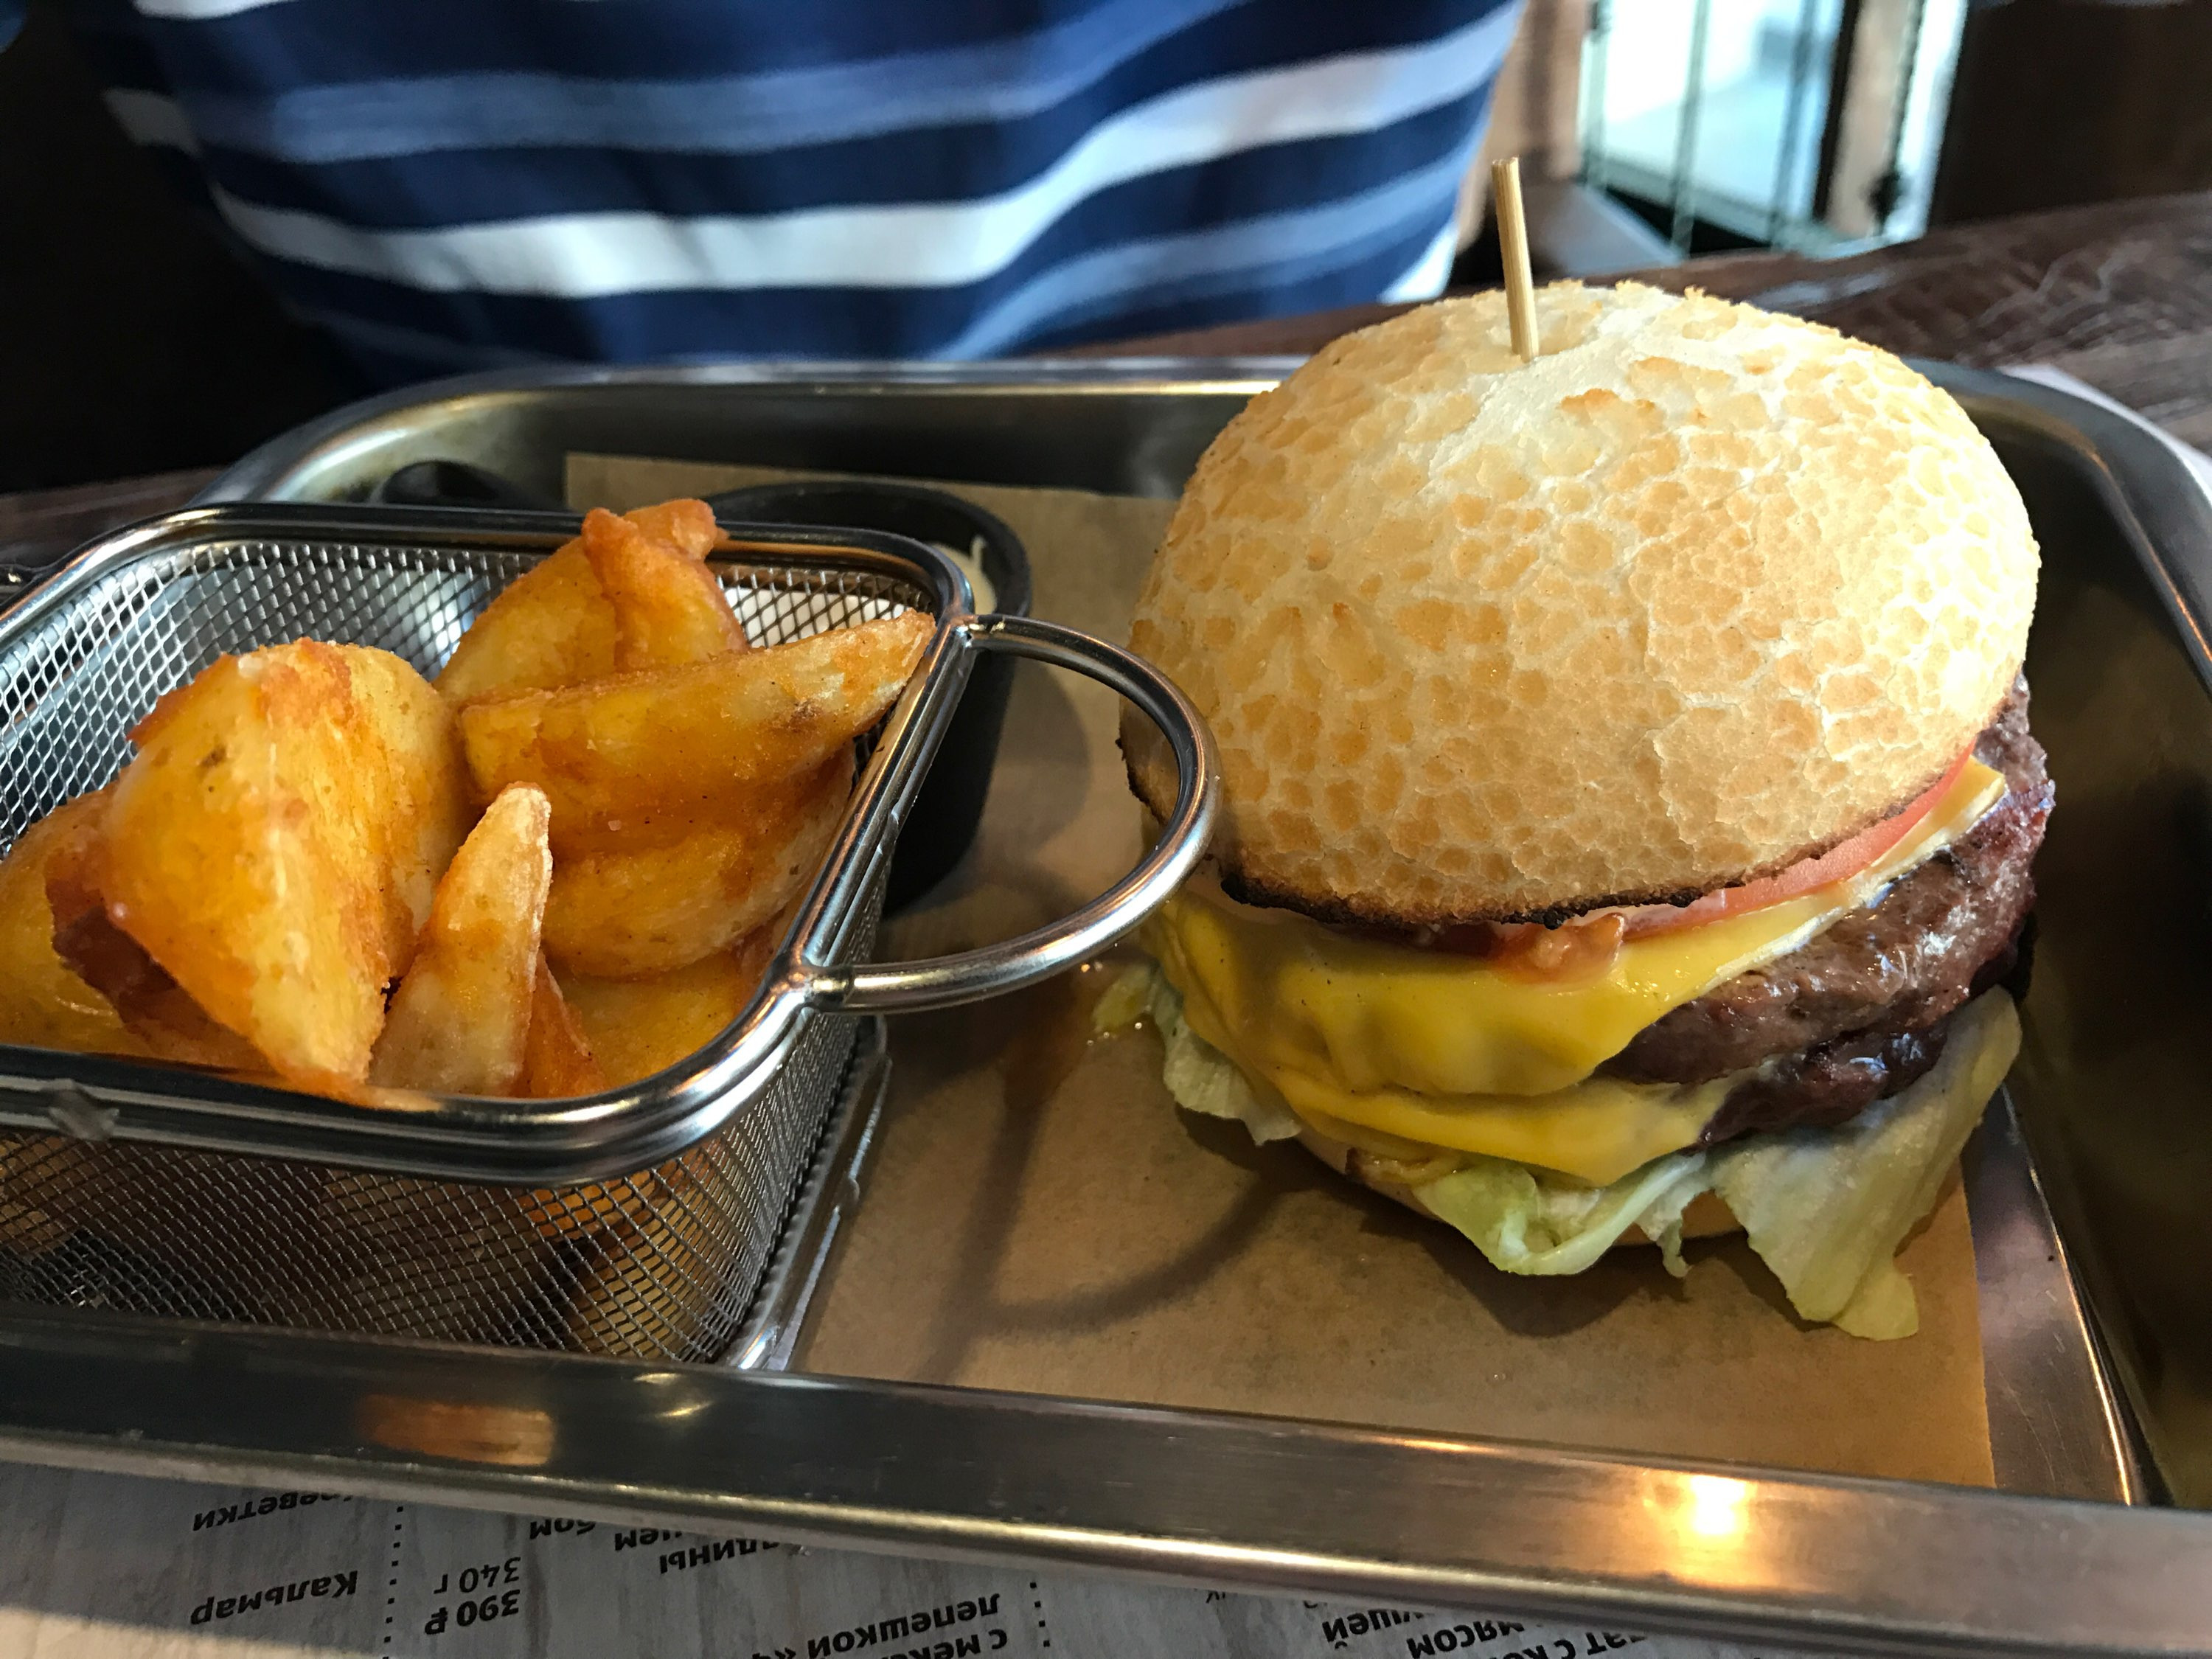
x: 1707, y: 1217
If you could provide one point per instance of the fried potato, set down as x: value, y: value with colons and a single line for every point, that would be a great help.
x: 272, y: 845
x: 553, y: 626
x: 188, y: 1214
x: 557, y: 1061
x: 643, y: 1026
x: 647, y: 1025
x: 460, y: 1020
x: 619, y: 749
x: 440, y: 1259
x: 640, y: 1026
x: 34, y: 1170
x: 668, y: 607
x: 43, y: 1002
x: 583, y: 1212
x: 407, y: 816
x: 587, y: 1210
x: 152, y: 1007
x: 688, y: 527
x: 655, y: 1290
x: 648, y: 909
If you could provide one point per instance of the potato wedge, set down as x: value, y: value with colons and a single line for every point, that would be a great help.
x: 648, y: 910
x: 43, y: 1002
x: 655, y: 1289
x: 640, y: 1026
x: 688, y: 527
x: 415, y: 809
x: 552, y: 626
x: 165, y: 1218
x: 616, y: 750
x: 153, y: 1008
x: 460, y: 1020
x: 668, y: 607
x: 38, y: 1174
x: 437, y: 1259
x: 592, y: 1208
x: 273, y: 843
x: 556, y: 1062
x: 549, y: 627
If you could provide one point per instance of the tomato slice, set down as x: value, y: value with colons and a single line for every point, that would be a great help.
x: 1838, y: 863
x: 1586, y: 946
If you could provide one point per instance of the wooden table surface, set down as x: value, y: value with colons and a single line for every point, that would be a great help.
x: 2120, y: 295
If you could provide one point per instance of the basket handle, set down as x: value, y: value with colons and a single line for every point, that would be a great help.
x: 970, y: 975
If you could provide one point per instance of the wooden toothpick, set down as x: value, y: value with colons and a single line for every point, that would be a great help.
x: 1513, y: 243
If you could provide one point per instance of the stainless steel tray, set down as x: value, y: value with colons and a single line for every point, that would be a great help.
x: 1205, y: 1497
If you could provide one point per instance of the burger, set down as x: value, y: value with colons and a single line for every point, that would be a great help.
x: 1629, y: 797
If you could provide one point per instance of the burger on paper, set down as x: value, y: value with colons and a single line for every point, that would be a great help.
x: 1629, y: 792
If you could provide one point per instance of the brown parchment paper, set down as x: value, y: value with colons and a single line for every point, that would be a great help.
x: 1039, y: 1216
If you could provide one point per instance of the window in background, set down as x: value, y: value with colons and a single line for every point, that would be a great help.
x: 1813, y: 124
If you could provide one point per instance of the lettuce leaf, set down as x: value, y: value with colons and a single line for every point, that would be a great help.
x: 1205, y: 1080
x: 1531, y: 1221
x: 1828, y: 1208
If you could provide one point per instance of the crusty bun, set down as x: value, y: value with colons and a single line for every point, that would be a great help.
x: 1700, y: 591
x: 1708, y: 1215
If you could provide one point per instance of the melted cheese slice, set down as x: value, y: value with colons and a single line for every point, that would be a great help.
x: 1450, y: 1051
x: 1597, y: 1130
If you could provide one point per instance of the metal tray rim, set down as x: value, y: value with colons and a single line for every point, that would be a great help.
x: 273, y: 471
x: 1444, y: 1521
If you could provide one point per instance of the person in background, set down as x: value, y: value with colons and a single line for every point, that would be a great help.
x: 483, y: 183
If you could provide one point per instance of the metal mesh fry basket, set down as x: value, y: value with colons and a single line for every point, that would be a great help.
x: 660, y: 1264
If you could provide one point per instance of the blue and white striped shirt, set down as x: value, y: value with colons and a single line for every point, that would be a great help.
x: 469, y: 183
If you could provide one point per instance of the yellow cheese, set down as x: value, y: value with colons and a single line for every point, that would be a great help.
x: 1597, y: 1130
x: 1453, y: 1051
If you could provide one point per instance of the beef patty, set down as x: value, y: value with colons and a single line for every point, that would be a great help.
x: 1858, y: 1012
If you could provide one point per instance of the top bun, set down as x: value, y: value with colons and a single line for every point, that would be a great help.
x: 1700, y: 591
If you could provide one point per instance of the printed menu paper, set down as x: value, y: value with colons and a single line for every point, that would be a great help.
x: 104, y: 1566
